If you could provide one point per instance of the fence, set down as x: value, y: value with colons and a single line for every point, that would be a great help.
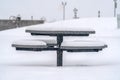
x: 8, y: 24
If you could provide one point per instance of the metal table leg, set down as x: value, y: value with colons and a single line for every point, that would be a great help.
x: 59, y: 57
x: 59, y: 40
x: 59, y: 51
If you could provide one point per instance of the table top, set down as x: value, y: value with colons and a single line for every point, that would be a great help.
x: 66, y: 31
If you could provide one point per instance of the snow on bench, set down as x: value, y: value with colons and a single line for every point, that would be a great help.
x: 35, y: 45
x: 29, y: 45
x: 83, y: 46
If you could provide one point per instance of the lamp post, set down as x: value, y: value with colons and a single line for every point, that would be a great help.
x: 115, y: 7
x: 64, y: 4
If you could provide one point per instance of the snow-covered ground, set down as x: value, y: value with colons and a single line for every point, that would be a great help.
x: 30, y: 65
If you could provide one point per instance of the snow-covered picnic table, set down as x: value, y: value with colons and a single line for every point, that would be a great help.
x: 60, y: 47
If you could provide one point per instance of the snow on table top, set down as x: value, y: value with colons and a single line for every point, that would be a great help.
x: 58, y: 28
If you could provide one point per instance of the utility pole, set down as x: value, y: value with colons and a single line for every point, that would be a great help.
x: 31, y: 17
x: 115, y: 7
x: 64, y: 5
x: 99, y: 14
x: 75, y: 10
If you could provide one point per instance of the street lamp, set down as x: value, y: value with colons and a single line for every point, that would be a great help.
x: 115, y: 7
x: 64, y: 4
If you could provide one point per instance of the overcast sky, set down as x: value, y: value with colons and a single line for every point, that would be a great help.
x: 52, y: 9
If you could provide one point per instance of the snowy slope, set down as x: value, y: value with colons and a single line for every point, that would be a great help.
x: 29, y: 65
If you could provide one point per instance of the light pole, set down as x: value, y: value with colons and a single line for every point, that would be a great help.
x: 64, y: 4
x: 115, y: 7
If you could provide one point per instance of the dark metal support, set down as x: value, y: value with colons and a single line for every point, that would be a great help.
x: 59, y: 51
x: 59, y: 57
x: 59, y: 40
